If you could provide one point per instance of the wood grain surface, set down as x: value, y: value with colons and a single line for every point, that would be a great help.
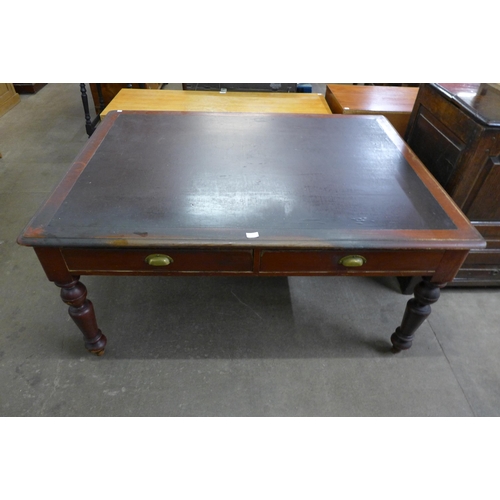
x: 395, y: 103
x: 252, y: 102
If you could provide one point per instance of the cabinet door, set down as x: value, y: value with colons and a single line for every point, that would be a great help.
x: 8, y: 97
x: 436, y: 145
x: 485, y: 205
x: 448, y: 141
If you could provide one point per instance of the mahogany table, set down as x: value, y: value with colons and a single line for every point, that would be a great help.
x: 233, y: 194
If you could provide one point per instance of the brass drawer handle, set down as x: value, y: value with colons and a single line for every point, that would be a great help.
x: 352, y: 261
x: 158, y: 259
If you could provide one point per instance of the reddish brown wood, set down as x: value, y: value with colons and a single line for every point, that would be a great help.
x: 448, y: 266
x: 395, y: 103
x: 417, y: 310
x: 82, y: 313
x: 83, y: 261
x: 197, y: 186
x: 53, y: 264
x: 386, y: 263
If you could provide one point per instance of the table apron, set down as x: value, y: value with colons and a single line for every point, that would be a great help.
x: 282, y: 262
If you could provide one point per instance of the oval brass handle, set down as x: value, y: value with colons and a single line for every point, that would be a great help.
x: 158, y: 259
x: 352, y: 261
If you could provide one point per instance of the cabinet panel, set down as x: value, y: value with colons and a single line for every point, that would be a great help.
x: 436, y: 146
x: 485, y: 206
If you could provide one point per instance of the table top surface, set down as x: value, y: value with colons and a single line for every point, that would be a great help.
x: 208, y: 101
x: 168, y: 179
x: 481, y: 100
x: 374, y: 98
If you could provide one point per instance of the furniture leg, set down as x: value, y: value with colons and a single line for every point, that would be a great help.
x: 101, y: 98
x: 82, y: 313
x: 417, y: 310
x: 88, y: 123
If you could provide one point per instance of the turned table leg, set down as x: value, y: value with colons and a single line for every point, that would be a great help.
x: 82, y: 313
x: 88, y: 123
x: 417, y: 310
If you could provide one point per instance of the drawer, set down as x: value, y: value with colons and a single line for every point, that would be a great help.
x: 487, y: 258
x: 476, y: 277
x: 489, y: 231
x: 329, y: 261
x: 182, y: 260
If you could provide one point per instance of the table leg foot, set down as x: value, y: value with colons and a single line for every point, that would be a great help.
x: 417, y: 310
x: 394, y: 349
x: 97, y: 346
x: 82, y: 313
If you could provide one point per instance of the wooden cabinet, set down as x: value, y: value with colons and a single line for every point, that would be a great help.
x: 28, y: 88
x: 8, y: 97
x: 455, y: 131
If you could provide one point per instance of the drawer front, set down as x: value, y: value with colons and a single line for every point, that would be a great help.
x: 477, y: 277
x: 483, y: 258
x: 489, y: 231
x: 329, y: 262
x: 86, y: 260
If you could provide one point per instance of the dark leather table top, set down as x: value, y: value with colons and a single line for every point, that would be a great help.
x: 173, y: 178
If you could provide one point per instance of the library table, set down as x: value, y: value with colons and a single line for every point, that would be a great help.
x: 237, y: 194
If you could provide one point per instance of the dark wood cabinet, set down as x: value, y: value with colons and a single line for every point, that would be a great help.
x: 455, y: 131
x: 28, y: 88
